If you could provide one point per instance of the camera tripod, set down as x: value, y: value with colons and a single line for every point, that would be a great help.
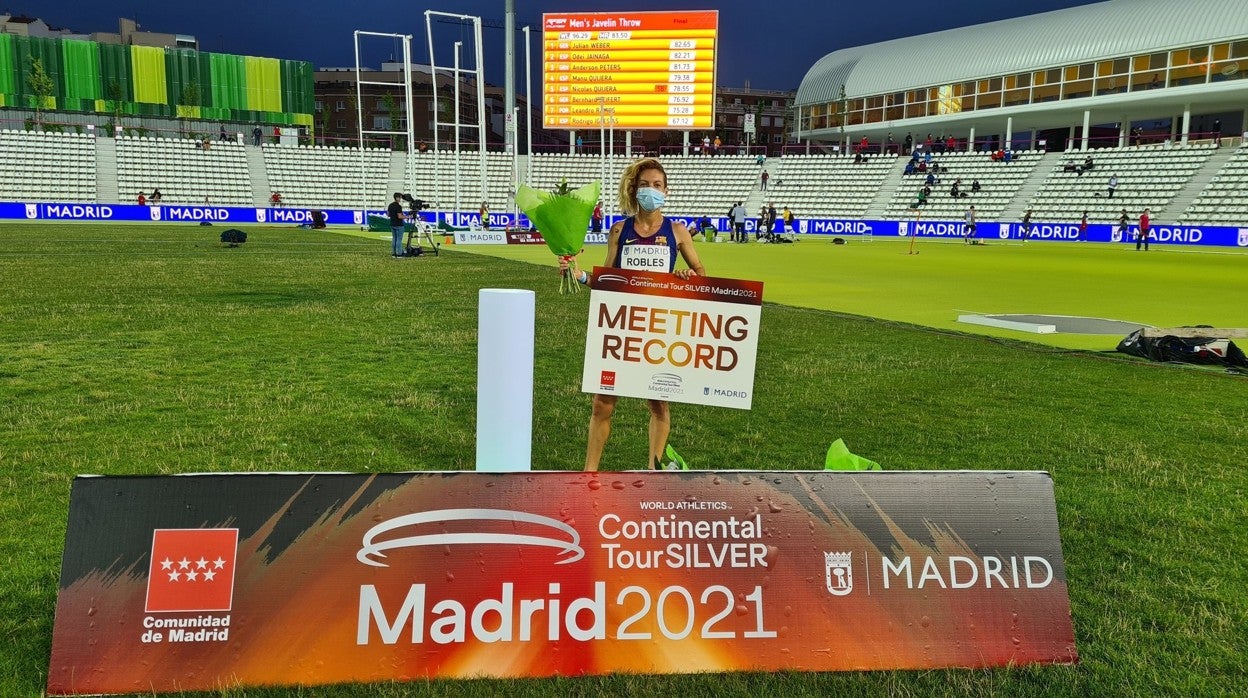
x: 420, y: 233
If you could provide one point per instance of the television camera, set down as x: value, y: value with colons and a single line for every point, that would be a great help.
x: 420, y: 230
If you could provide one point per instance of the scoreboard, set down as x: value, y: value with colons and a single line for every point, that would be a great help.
x: 633, y: 70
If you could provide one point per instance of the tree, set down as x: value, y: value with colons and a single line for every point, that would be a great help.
x: 843, y: 107
x: 325, y: 118
x: 112, y: 90
x: 353, y: 103
x: 392, y: 110
x: 40, y: 85
x: 190, y: 99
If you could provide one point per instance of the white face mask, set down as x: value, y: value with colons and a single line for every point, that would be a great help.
x: 650, y: 198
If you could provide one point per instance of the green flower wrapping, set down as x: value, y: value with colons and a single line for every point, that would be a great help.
x: 562, y: 217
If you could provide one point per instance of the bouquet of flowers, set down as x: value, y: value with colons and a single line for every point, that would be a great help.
x: 562, y: 217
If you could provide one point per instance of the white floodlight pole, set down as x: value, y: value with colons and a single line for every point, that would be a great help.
x: 611, y: 150
x: 433, y: 79
x: 514, y: 144
x: 411, y: 120
x: 528, y: 106
x: 359, y: 128
x: 481, y: 113
x: 458, y: 45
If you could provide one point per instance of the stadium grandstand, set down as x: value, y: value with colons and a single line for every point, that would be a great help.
x: 1140, y: 104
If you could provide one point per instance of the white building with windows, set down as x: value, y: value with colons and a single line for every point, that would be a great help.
x: 1107, y: 74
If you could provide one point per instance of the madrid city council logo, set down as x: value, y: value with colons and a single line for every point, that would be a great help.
x: 839, y: 572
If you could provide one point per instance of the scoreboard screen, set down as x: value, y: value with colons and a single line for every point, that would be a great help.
x: 630, y: 70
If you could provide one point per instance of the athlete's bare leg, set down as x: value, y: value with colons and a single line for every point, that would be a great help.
x: 599, y: 429
x: 660, y: 427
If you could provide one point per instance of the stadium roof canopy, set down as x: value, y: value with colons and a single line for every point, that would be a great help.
x: 1121, y: 64
x: 1062, y: 37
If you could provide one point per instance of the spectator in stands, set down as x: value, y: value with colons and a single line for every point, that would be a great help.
x: 1007, y: 155
x: 858, y: 158
x: 206, y: 144
x: 1070, y: 167
x: 997, y: 155
x: 969, y: 235
x: 1113, y: 184
x: 155, y: 197
x: 1083, y: 227
x: 484, y: 213
x: 763, y: 180
x: 938, y: 168
x: 862, y: 145
x: 1087, y: 165
x: 395, y: 212
x: 596, y: 219
x: 423, y: 147
x: 910, y: 168
x: 1025, y: 230
x: 223, y: 138
x: 738, y: 215
x: 761, y: 159
x: 956, y: 190
x: 951, y: 144
x: 922, y: 199
x: 580, y: 145
x: 908, y: 143
x: 890, y: 145
x: 275, y: 199
x: 142, y: 199
x: 706, y: 145
x: 922, y: 168
x: 927, y: 156
x: 927, y: 144
x: 1142, y: 235
x: 277, y: 134
x: 256, y: 135
x: 975, y: 186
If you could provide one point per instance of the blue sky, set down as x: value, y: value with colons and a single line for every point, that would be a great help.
x: 769, y: 43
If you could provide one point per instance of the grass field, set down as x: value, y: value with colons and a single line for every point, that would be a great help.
x: 151, y: 349
x: 1169, y: 286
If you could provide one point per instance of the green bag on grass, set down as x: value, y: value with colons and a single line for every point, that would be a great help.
x: 839, y: 458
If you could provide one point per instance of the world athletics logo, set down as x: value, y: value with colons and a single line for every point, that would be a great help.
x: 547, y: 532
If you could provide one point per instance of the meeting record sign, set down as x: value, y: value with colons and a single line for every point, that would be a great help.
x: 654, y: 335
x: 211, y: 582
x: 631, y: 70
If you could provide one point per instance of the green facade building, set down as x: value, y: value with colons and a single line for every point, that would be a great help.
x: 149, y: 81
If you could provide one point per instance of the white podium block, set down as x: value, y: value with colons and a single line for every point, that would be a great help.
x: 505, y: 323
